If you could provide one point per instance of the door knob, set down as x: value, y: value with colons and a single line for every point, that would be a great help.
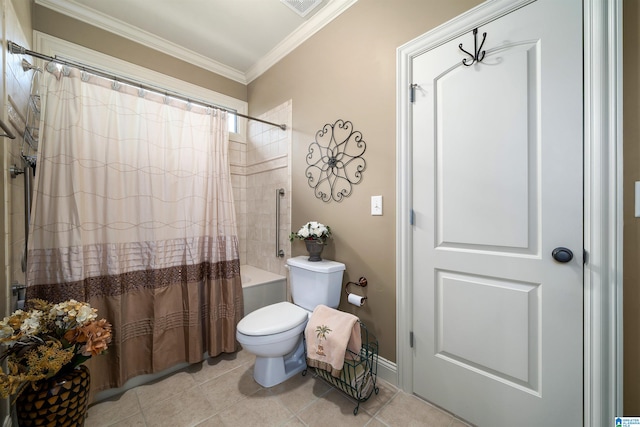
x: 561, y: 254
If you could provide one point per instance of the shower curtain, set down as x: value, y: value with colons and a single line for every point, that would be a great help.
x: 133, y: 212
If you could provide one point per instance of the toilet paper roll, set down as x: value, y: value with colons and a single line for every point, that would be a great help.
x: 356, y: 300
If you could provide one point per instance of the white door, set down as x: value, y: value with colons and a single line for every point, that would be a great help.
x: 497, y: 186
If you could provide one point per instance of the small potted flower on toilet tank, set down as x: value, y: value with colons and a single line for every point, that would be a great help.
x: 315, y: 236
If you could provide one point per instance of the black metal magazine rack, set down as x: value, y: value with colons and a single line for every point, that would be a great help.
x: 358, y: 377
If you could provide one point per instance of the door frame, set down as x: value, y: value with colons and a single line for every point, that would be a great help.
x: 602, y: 29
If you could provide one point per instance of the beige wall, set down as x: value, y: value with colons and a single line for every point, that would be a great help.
x: 347, y: 71
x: 631, y: 136
x: 66, y: 28
x: 23, y: 11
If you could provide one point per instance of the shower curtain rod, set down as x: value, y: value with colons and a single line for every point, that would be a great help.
x: 17, y: 49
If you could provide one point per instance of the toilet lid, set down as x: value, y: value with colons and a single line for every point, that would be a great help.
x: 273, y: 319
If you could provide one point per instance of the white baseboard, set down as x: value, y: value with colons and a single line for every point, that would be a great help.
x: 388, y: 371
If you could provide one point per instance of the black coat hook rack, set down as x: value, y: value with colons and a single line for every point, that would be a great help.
x: 478, y: 54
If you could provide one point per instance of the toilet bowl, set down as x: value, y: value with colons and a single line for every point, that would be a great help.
x: 275, y: 333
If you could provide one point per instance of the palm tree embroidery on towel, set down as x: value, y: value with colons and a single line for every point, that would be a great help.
x: 321, y: 333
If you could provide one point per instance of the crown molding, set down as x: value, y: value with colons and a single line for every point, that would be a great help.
x: 107, y: 23
x: 135, y: 34
x: 299, y: 36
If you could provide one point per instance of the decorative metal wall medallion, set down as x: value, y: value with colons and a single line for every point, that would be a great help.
x: 335, y: 161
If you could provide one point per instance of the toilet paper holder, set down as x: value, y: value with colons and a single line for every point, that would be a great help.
x: 362, y: 282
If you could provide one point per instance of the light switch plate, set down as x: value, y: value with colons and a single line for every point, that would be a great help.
x: 637, y: 199
x: 376, y: 205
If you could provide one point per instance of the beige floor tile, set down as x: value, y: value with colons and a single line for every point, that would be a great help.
x: 214, y: 421
x: 114, y: 409
x: 187, y: 408
x: 229, y: 388
x: 215, y: 366
x: 163, y: 389
x: 222, y: 392
x: 406, y: 410
x: 386, y: 392
x: 333, y: 409
x: 458, y: 423
x: 299, y: 391
x: 376, y: 423
x: 375, y: 402
x: 293, y: 422
x: 136, y: 420
x: 259, y: 409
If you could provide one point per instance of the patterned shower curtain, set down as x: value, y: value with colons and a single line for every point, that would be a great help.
x: 133, y: 212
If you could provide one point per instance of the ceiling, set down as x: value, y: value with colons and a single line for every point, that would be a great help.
x: 239, y: 39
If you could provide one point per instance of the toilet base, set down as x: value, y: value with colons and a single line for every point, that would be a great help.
x: 270, y: 371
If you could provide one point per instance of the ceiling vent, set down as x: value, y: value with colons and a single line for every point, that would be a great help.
x: 302, y: 7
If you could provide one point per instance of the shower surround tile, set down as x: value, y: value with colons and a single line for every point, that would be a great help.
x: 264, y: 165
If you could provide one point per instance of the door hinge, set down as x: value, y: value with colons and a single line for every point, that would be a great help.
x: 411, y: 339
x: 412, y: 217
x: 412, y: 93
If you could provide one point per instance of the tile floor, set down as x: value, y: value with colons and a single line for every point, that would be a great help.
x: 221, y: 392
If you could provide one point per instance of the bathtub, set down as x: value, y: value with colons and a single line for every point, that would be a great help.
x: 261, y: 288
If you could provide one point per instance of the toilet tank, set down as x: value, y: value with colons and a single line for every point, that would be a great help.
x: 315, y: 283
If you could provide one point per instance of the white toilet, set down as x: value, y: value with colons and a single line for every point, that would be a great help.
x: 274, y: 333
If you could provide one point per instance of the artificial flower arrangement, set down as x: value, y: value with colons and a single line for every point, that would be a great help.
x: 47, y: 339
x: 312, y: 230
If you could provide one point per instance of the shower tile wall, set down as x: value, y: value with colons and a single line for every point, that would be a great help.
x: 259, y: 168
x: 238, y: 160
x: 18, y: 84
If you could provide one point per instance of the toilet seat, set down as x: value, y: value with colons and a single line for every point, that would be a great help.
x: 273, y: 319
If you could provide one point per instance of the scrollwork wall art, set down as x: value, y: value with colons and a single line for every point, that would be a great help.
x: 335, y: 161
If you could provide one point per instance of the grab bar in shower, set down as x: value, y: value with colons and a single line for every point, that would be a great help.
x: 7, y: 131
x: 15, y: 171
x: 279, y: 194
